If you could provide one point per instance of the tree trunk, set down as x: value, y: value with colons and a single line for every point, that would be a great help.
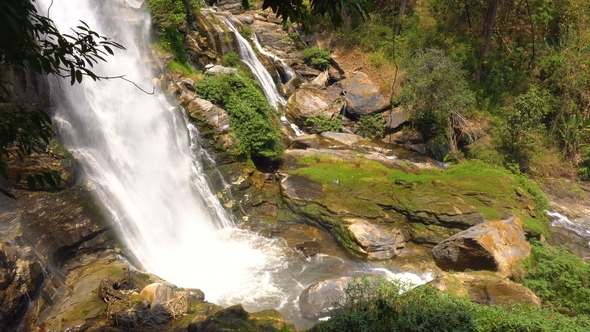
x: 190, y: 16
x: 400, y: 16
x: 488, y: 32
x: 346, y: 18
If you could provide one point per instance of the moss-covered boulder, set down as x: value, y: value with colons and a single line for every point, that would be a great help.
x: 427, y: 206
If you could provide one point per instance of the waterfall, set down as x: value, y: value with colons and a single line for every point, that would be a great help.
x: 249, y: 57
x: 142, y: 158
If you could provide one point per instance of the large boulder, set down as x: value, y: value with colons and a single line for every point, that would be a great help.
x: 310, y: 102
x: 485, y: 288
x: 374, y: 241
x: 318, y: 299
x: 361, y: 94
x: 493, y: 245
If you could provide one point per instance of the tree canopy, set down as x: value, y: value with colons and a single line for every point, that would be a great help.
x: 31, y: 41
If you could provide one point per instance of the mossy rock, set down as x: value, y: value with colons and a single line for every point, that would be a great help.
x: 437, y: 204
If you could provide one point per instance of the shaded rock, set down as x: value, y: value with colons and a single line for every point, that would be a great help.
x: 493, y: 245
x: 375, y: 242
x: 395, y: 117
x: 309, y: 248
x: 235, y: 318
x: 343, y: 138
x: 362, y: 95
x: 300, y: 187
x: 306, y: 141
x: 486, y: 289
x: 290, y: 87
x: 420, y: 147
x: 318, y: 299
x: 401, y: 137
x: 232, y: 6
x: 310, y: 102
x: 20, y: 281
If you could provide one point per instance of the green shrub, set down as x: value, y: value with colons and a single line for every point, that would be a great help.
x: 559, y: 278
x: 373, y: 304
x: 321, y: 123
x: 247, y: 31
x: 231, y: 59
x: 317, y: 57
x: 372, y: 124
x: 251, y: 117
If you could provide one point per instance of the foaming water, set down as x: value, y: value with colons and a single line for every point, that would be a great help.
x: 143, y: 159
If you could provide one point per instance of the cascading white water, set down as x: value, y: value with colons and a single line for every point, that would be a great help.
x: 142, y: 158
x: 248, y: 56
x: 136, y: 152
x: 288, y: 70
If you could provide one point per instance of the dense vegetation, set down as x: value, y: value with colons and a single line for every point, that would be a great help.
x: 377, y: 305
x: 519, y: 72
x: 558, y: 277
x: 251, y: 118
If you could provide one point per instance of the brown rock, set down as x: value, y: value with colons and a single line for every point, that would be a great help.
x: 493, y: 245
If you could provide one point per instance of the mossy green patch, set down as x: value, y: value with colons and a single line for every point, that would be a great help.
x: 365, y: 188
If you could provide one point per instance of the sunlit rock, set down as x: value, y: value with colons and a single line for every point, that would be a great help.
x: 493, y: 245
x: 309, y: 102
x: 318, y: 299
x: 375, y: 242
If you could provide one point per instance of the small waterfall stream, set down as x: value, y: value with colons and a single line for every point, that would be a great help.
x: 142, y: 158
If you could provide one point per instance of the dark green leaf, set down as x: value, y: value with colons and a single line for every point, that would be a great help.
x: 31, y: 182
x: 49, y: 179
x: 18, y: 178
x: 39, y: 180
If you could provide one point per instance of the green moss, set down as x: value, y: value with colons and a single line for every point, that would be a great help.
x: 364, y: 188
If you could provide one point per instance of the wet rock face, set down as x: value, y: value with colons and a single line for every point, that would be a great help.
x: 21, y: 277
x: 493, y: 245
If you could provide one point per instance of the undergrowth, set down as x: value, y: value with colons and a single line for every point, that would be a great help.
x: 252, y: 120
x: 373, y: 304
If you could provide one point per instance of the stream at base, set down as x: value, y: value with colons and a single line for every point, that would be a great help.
x: 141, y: 157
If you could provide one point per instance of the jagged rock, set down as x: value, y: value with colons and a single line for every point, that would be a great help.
x: 493, y: 245
x: 233, y: 6
x: 485, y: 289
x: 318, y: 299
x: 401, y: 137
x: 343, y: 138
x: 245, y: 18
x: 309, y: 248
x: 395, y: 117
x: 290, y: 87
x: 310, y: 102
x: 362, y: 95
x: 20, y: 280
x: 420, y: 147
x: 306, y: 141
x: 375, y: 242
x: 321, y: 80
x: 211, y: 115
